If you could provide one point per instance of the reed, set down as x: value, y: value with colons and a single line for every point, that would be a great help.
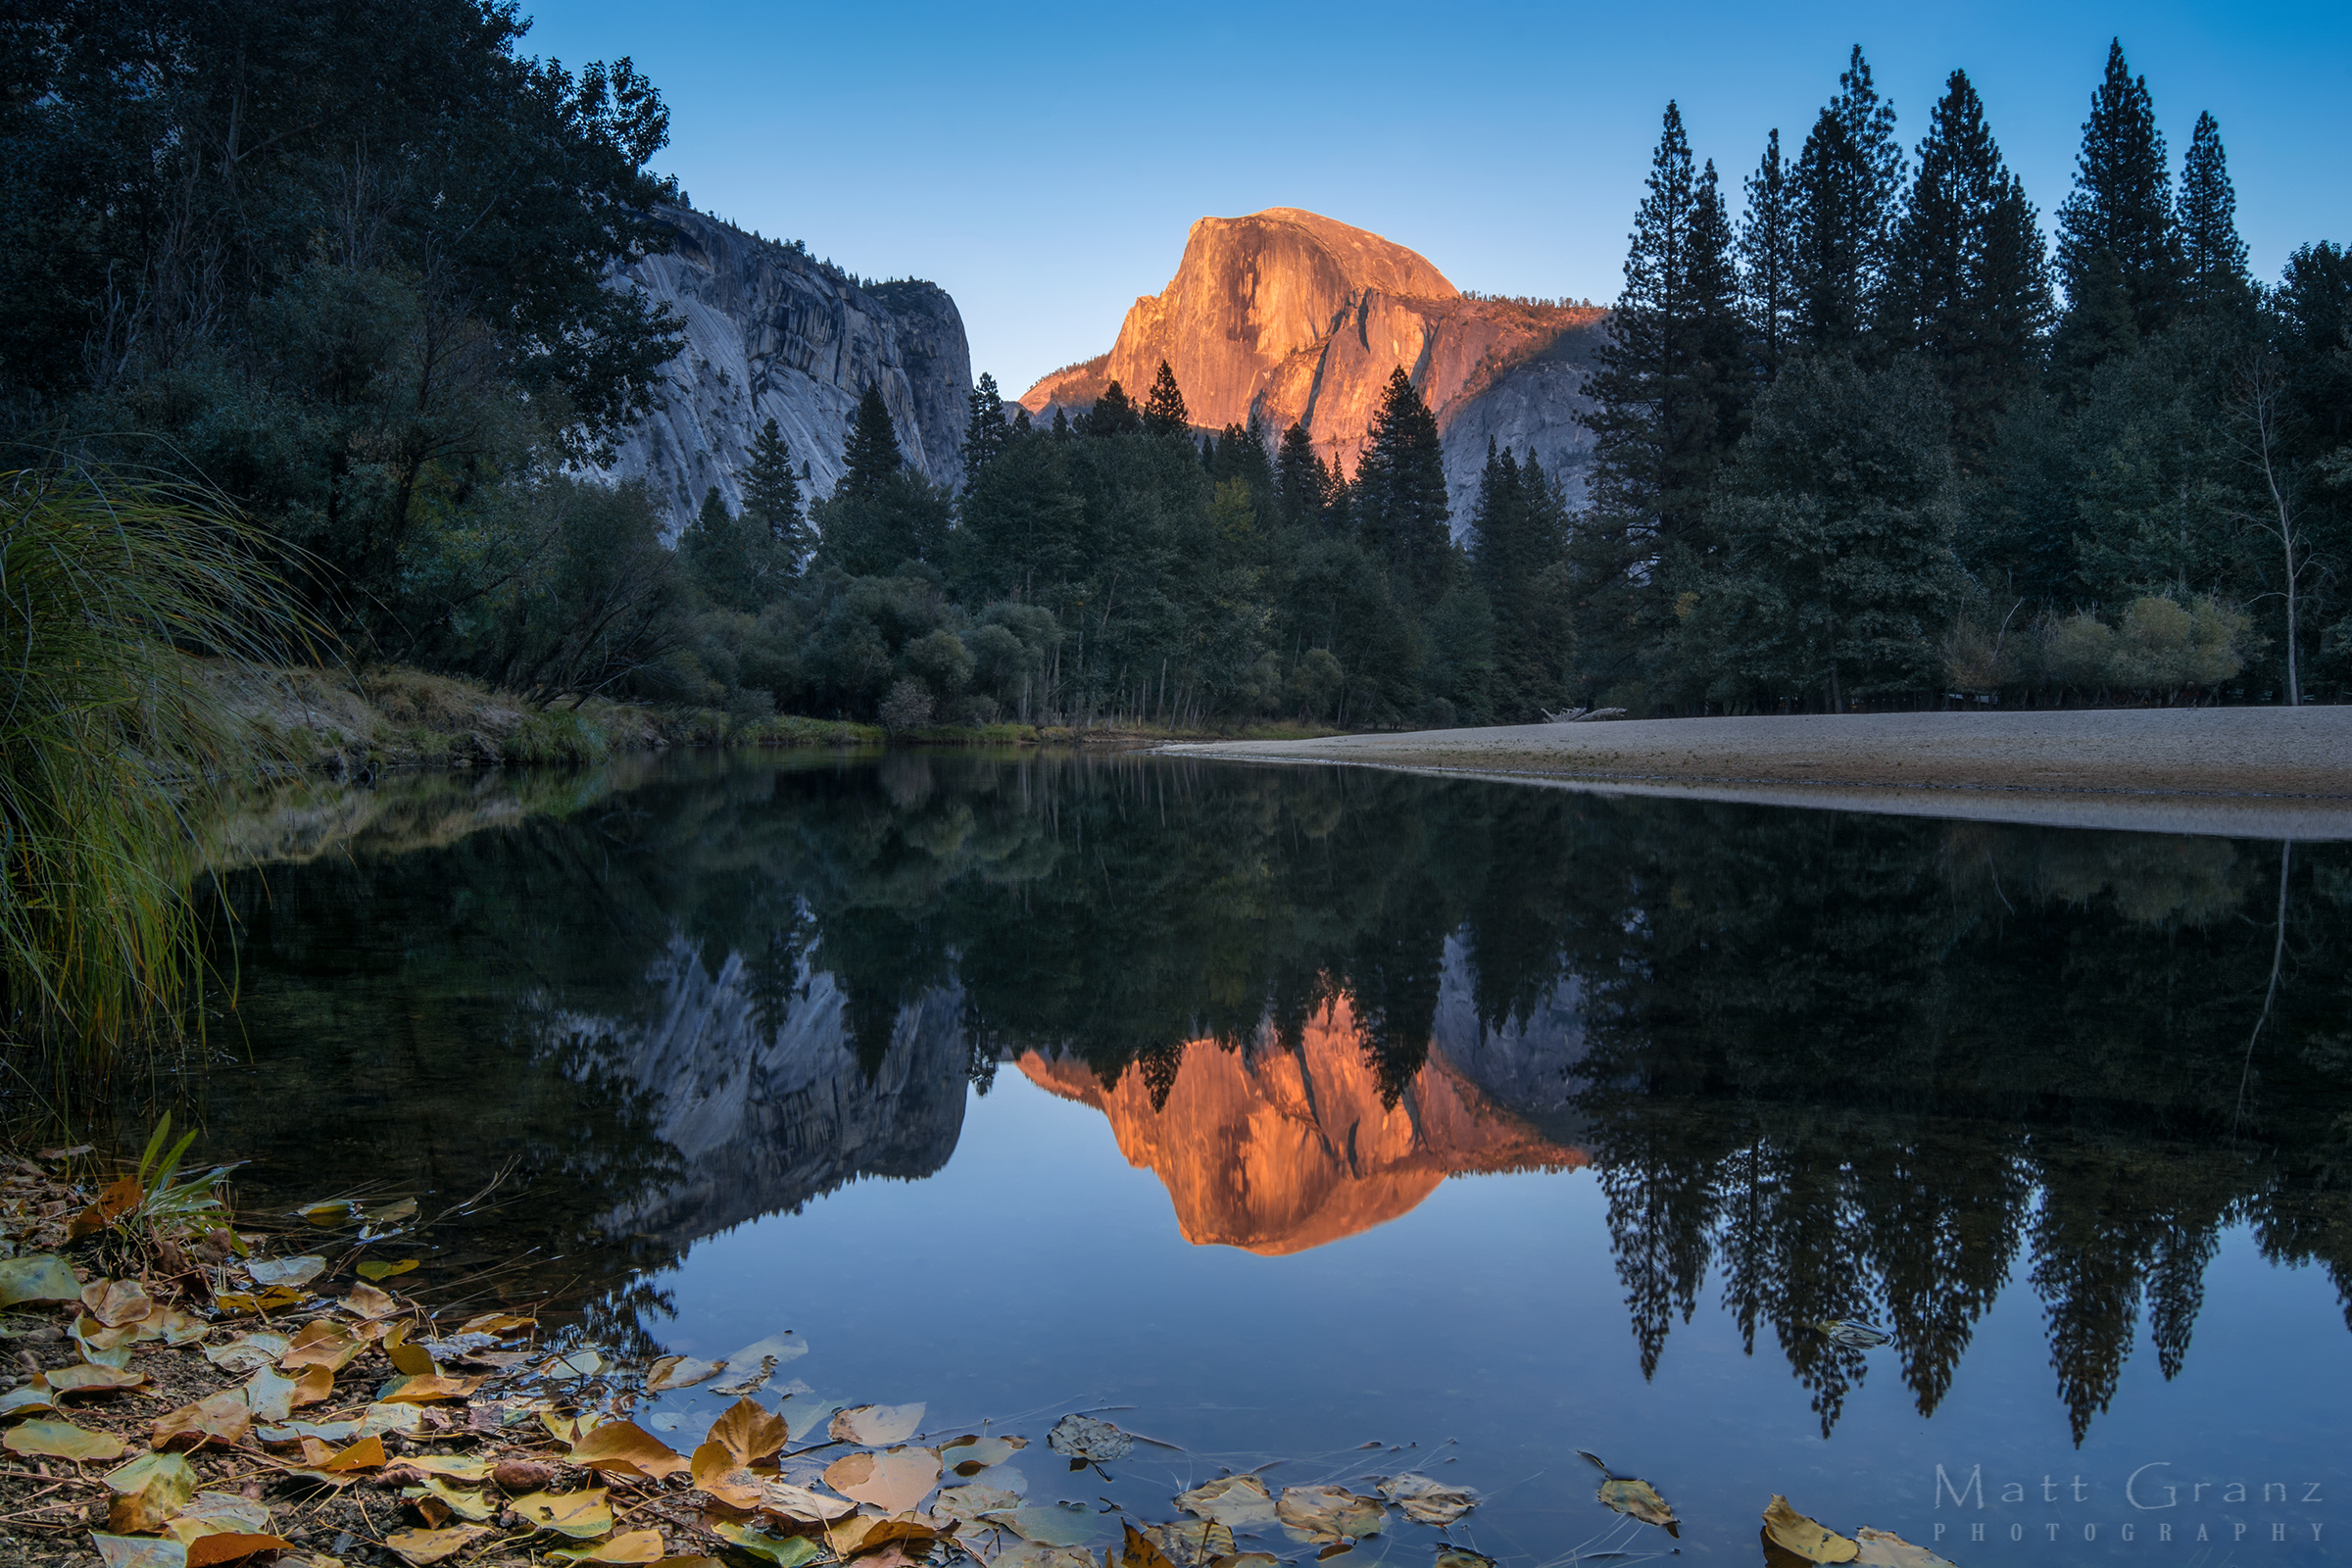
x: 114, y: 593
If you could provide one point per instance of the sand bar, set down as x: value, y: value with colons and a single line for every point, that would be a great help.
x: 2268, y: 772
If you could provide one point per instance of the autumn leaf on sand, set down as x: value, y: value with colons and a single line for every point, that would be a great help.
x: 625, y: 1448
x: 62, y: 1439
x: 749, y: 1432
x: 581, y: 1515
x: 423, y: 1547
x: 1801, y: 1540
x: 220, y: 1419
x: 634, y: 1545
x: 894, y: 1480
x: 38, y: 1277
x: 1634, y: 1498
x: 148, y: 1490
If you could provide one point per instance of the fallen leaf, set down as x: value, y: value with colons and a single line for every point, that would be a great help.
x: 750, y: 1432
x: 62, y: 1439
x: 126, y: 1551
x: 248, y: 1351
x: 1053, y: 1525
x: 372, y: 1270
x: 218, y: 1513
x: 576, y: 1365
x: 801, y: 1504
x: 806, y: 1416
x: 33, y: 1395
x: 1884, y: 1549
x: 269, y: 1395
x: 148, y: 1490
x: 1328, y: 1513
x: 680, y: 1372
x: 366, y: 1301
x: 100, y: 1345
x: 859, y: 1533
x: 969, y: 1503
x: 462, y: 1503
x: 1639, y: 1499
x: 176, y: 1328
x: 221, y: 1418
x: 334, y: 1211
x: 714, y: 1470
x: 1083, y: 1440
x: 783, y: 1347
x: 1266, y: 1559
x: 315, y: 1384
x: 969, y: 1455
x: 423, y: 1547
x: 115, y: 1199
x: 325, y: 1343
x: 231, y: 1546
x: 38, y: 1277
x: 878, y: 1425
x: 456, y: 1466
x: 1192, y: 1543
x: 292, y: 1273
x: 366, y: 1454
x: 426, y: 1388
x: 86, y: 1379
x: 638, y: 1546
x: 626, y: 1448
x: 1036, y: 1555
x: 1240, y: 1502
x: 894, y: 1480
x: 1426, y: 1502
x: 1462, y: 1557
x: 1139, y: 1551
x: 1807, y: 1540
x: 117, y: 1303
x: 580, y: 1515
x: 784, y: 1551
x: 1851, y: 1333
x: 501, y: 1324
x: 249, y: 1301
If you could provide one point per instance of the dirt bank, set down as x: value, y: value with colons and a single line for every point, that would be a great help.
x: 2268, y: 772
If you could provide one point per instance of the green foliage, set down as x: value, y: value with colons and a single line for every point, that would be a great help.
x: 772, y: 500
x: 1163, y: 410
x: 1113, y: 413
x: 1848, y: 193
x: 2213, y: 258
x: 1400, y: 492
x: 871, y: 459
x: 559, y: 735
x: 112, y: 731
x: 2114, y: 230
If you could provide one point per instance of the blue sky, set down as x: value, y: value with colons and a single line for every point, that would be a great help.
x: 1042, y: 162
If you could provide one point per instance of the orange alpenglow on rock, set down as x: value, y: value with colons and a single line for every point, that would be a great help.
x: 1289, y: 316
x: 1274, y: 1152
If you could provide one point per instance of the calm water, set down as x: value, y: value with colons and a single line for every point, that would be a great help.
x: 1293, y: 1110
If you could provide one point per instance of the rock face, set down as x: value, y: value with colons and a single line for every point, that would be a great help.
x: 1288, y: 315
x: 772, y: 333
x: 1276, y: 1150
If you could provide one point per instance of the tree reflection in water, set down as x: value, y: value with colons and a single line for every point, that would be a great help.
x: 1828, y: 1066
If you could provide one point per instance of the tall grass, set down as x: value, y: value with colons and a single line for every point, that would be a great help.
x: 111, y: 734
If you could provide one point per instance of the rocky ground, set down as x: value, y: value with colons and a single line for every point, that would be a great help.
x: 2253, y: 770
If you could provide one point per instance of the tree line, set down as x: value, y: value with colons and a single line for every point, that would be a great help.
x: 1874, y: 444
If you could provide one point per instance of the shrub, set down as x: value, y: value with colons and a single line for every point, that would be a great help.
x: 907, y: 706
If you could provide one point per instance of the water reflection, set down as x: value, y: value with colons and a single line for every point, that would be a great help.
x: 1827, y: 1065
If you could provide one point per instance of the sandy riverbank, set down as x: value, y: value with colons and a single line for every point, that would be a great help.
x: 2257, y: 771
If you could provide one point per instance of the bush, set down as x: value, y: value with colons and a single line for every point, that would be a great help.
x: 556, y: 735
x: 907, y: 706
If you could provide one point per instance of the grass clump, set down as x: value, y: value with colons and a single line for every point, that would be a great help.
x: 556, y: 735
x: 109, y: 733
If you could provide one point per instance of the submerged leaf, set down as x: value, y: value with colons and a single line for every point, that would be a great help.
x: 373, y: 1270
x: 878, y: 1425
x: 1192, y: 1543
x: 62, y: 1439
x: 894, y: 1480
x: 1639, y: 1499
x: 1053, y: 1525
x: 1087, y: 1440
x: 969, y: 1455
x: 1328, y: 1513
x: 1139, y: 1552
x: 1426, y: 1502
x: 1807, y: 1540
x: 1033, y: 1554
x: 1241, y: 1502
x: 1884, y: 1549
x: 1462, y: 1557
x: 969, y: 1504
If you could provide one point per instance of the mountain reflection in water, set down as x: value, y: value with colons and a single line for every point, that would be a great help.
x: 1827, y: 1065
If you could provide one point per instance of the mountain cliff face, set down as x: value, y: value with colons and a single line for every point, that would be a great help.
x: 1277, y: 1150
x: 1287, y: 315
x: 772, y: 333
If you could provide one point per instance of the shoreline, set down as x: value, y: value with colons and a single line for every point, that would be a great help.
x: 2259, y: 773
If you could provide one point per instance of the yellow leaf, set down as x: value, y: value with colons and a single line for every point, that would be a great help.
x: 366, y: 1301
x: 90, y: 1378
x: 148, y: 1490
x: 1641, y: 1501
x: 637, y: 1546
x: 469, y: 1505
x: 1140, y: 1552
x: 1808, y: 1539
x: 385, y: 1271
x: 894, y: 1480
x: 366, y: 1454
x: 427, y: 1388
x: 232, y: 1546
x: 315, y: 1384
x: 62, y: 1439
x: 863, y: 1532
x: 423, y: 1547
x: 456, y: 1466
x: 115, y: 1200
x: 580, y: 1515
x: 626, y: 1448
x: 323, y: 1342
x: 218, y: 1513
x: 716, y: 1471
x: 221, y: 1418
x: 748, y: 1431
x: 1328, y: 1513
x: 1884, y: 1549
x: 117, y: 1303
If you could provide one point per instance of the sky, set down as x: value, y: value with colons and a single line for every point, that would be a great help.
x: 1042, y: 162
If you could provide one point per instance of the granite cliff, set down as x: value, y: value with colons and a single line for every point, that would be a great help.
x: 773, y: 333
x: 1287, y: 315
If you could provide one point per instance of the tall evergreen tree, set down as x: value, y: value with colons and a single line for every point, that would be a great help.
x: 872, y: 455
x: 1302, y: 478
x: 1768, y: 263
x: 1163, y: 410
x: 2116, y: 228
x: 730, y: 557
x: 985, y: 431
x: 1848, y: 185
x: 1400, y: 492
x: 1970, y: 287
x: 1517, y: 534
x: 1666, y: 398
x: 2213, y: 258
x: 771, y: 495
x: 1113, y: 413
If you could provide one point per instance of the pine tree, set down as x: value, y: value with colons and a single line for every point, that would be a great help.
x: 985, y: 431
x: 872, y: 455
x: 1970, y: 286
x: 2119, y: 217
x: 1848, y: 183
x: 771, y: 495
x: 1113, y: 413
x: 1163, y: 410
x: 1300, y: 477
x: 2213, y: 257
x: 1400, y: 492
x: 731, y: 562
x: 1768, y: 263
